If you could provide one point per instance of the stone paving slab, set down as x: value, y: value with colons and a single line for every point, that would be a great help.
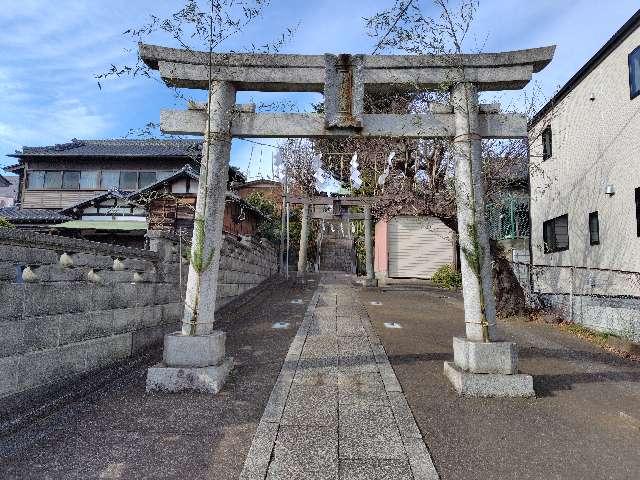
x: 342, y: 413
x: 375, y: 470
x: 311, y: 405
x: 304, y: 453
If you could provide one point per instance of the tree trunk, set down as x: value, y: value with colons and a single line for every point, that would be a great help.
x: 510, y: 299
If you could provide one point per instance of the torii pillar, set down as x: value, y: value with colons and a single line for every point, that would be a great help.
x: 304, y: 240
x: 370, y: 281
x: 194, y: 358
x: 483, y: 365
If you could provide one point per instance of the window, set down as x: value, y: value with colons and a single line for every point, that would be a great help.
x: 53, y: 180
x: 546, y: 143
x: 634, y: 73
x: 128, y: 180
x: 35, y: 179
x: 594, y: 229
x: 89, y: 180
x: 555, y: 233
x: 70, y: 180
x: 146, y: 179
x: 638, y: 211
x: 110, y: 179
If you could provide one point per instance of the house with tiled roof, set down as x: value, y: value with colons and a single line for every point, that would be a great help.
x: 58, y: 176
x: 114, y: 190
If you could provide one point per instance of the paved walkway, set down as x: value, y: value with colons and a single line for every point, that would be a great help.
x: 583, y: 424
x: 337, y: 410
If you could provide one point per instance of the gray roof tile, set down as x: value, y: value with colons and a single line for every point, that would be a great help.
x: 32, y: 215
x: 116, y: 148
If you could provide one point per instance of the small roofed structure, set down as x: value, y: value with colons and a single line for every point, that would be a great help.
x: 171, y: 202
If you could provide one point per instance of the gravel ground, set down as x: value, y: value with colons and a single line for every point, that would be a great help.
x: 122, y: 432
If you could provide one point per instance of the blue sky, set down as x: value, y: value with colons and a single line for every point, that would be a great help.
x: 51, y: 51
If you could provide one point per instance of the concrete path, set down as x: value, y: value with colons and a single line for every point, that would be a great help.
x: 337, y: 410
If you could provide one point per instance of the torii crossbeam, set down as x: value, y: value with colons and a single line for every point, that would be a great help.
x: 344, y: 79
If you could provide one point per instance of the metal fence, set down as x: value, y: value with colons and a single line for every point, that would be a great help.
x: 509, y: 218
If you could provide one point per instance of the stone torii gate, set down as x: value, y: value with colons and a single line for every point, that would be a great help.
x: 194, y: 358
x: 336, y: 203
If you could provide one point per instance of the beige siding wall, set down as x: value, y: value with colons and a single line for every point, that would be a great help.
x: 595, y: 143
x: 55, y: 198
x: 418, y: 246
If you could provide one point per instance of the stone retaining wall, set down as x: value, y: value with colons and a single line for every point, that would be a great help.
x: 65, y: 315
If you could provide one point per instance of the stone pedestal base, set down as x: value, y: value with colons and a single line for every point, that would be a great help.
x: 370, y: 282
x: 191, y: 363
x: 181, y: 379
x: 485, y: 357
x: 487, y: 369
x: 488, y: 384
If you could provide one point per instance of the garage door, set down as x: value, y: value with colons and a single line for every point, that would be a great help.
x: 418, y: 246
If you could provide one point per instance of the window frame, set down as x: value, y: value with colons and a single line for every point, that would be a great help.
x: 594, y: 233
x: 29, y: 179
x: 128, y: 172
x: 633, y: 94
x: 98, y: 178
x: 68, y: 172
x: 143, y: 172
x: 546, y: 155
x: 550, y: 246
x: 116, y: 173
x: 46, y: 174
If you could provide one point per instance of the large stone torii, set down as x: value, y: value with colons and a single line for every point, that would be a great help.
x: 195, y: 357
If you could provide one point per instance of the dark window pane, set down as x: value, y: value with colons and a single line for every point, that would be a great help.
x: 110, y: 179
x: 555, y: 233
x: 89, y: 179
x: 35, y: 179
x: 71, y: 180
x: 546, y: 143
x: 146, y: 179
x: 162, y: 174
x: 53, y: 180
x: 634, y: 72
x: 128, y: 180
x: 594, y: 229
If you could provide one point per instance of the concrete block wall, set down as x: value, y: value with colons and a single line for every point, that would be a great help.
x: 63, y: 321
x: 244, y: 264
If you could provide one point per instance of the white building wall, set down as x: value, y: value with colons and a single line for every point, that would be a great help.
x: 596, y: 142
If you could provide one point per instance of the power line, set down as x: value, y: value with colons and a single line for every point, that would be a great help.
x: 257, y: 143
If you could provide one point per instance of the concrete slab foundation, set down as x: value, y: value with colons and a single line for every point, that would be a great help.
x: 180, y: 379
x: 488, y: 384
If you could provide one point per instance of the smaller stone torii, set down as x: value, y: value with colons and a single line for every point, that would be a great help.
x: 483, y: 366
x: 336, y: 203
